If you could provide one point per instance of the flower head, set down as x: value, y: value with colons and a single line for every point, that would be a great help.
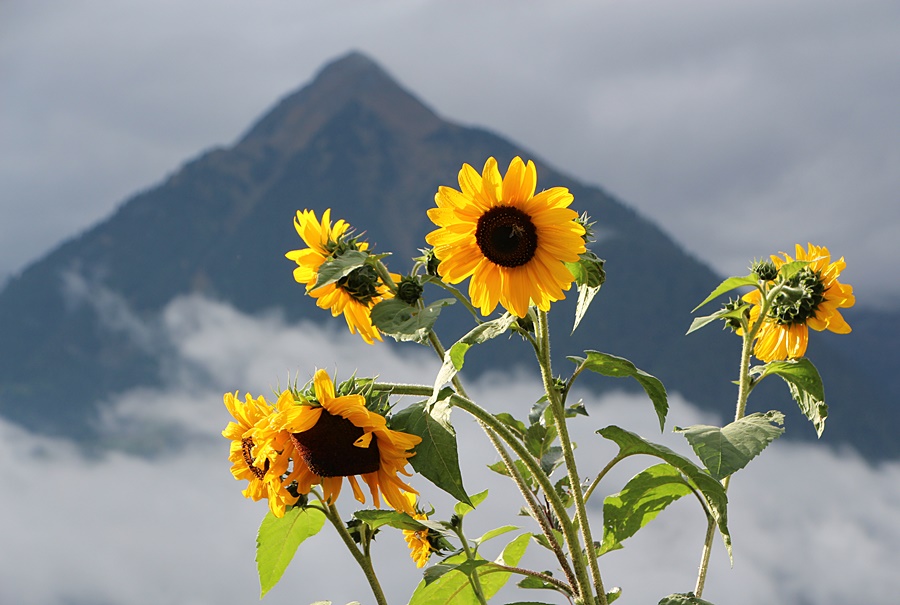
x: 336, y: 437
x: 512, y: 242
x: 258, y: 454
x: 417, y: 540
x: 354, y: 294
x: 810, y: 299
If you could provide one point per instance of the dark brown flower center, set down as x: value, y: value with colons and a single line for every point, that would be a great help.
x: 328, y: 450
x: 506, y: 236
x: 247, y: 451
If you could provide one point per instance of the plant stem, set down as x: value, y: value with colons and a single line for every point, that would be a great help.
x: 559, y: 413
x: 502, y: 431
x: 514, y: 473
x: 364, y: 562
x: 744, y: 388
x: 474, y: 581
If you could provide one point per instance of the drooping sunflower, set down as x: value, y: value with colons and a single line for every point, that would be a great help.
x: 336, y: 437
x: 813, y: 303
x: 258, y: 454
x: 354, y: 294
x: 417, y: 540
x: 512, y: 242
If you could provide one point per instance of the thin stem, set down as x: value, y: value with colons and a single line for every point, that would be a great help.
x: 458, y: 296
x: 559, y: 413
x: 536, y: 511
x: 514, y: 473
x: 474, y: 581
x: 600, y: 475
x: 364, y: 562
x: 535, y: 574
x: 745, y: 385
x: 502, y: 431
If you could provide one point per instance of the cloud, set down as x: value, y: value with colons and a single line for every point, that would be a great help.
x: 810, y: 524
x: 775, y: 117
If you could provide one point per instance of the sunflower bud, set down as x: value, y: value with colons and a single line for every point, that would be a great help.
x: 409, y: 290
x: 361, y: 283
x: 730, y: 307
x: 765, y: 270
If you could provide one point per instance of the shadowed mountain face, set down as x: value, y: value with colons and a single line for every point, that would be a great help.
x: 75, y: 324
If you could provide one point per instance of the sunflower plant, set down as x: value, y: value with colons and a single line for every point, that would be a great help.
x: 521, y: 250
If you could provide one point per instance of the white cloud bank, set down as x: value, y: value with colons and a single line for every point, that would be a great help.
x: 810, y: 525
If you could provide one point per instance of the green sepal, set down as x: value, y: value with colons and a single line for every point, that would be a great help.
x: 726, y: 450
x: 589, y: 277
x: 789, y: 270
x: 639, y: 502
x: 683, y: 598
x: 455, y: 356
x: 334, y: 269
x: 278, y: 540
x: 727, y: 286
x: 712, y: 491
x: 436, y: 457
x: 805, y: 384
x: 611, y: 365
x: 406, y: 322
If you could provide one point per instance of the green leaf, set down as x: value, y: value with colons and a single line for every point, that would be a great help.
x: 712, y: 491
x: 332, y: 270
x: 639, y: 502
x: 495, y: 532
x: 436, y: 456
x: 589, y: 276
x: 726, y: 450
x: 278, y: 539
x: 614, y: 593
x: 406, y: 322
x: 536, y: 583
x: 451, y: 586
x: 722, y: 313
x: 397, y: 520
x: 611, y: 365
x: 683, y: 598
x: 727, y: 286
x: 454, y: 358
x: 806, y: 387
x: 464, y: 508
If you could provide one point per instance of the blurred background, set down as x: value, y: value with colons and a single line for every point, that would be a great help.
x: 142, y: 145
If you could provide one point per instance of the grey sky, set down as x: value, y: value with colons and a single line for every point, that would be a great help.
x: 810, y: 524
x: 742, y: 127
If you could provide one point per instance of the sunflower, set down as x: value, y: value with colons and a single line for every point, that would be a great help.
x: 354, y: 294
x: 511, y: 242
x: 258, y: 454
x: 813, y: 303
x: 417, y: 540
x: 337, y: 437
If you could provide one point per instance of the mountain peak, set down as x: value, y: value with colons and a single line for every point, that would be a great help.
x: 353, y: 78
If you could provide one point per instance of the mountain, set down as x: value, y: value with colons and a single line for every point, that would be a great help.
x: 74, y: 323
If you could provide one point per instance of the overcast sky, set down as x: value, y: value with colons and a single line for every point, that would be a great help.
x: 742, y: 126
x: 810, y: 525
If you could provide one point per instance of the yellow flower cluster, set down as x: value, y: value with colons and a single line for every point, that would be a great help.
x: 286, y: 449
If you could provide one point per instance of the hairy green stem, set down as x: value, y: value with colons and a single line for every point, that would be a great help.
x: 474, y: 581
x: 364, y: 562
x: 536, y: 511
x: 502, y: 431
x: 744, y: 388
x: 559, y: 413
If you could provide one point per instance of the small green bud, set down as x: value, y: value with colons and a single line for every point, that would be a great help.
x: 735, y: 305
x: 585, y: 221
x: 409, y: 290
x: 764, y: 270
